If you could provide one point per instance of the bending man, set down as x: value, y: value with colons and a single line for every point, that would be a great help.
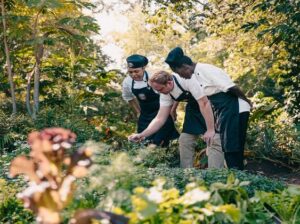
x: 174, y: 89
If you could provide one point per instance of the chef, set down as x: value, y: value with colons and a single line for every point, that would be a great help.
x: 145, y: 101
x: 230, y: 105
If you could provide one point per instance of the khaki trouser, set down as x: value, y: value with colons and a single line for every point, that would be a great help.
x: 187, y: 143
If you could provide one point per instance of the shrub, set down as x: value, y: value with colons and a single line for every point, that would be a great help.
x: 12, y: 129
x: 218, y: 203
x: 115, y: 179
x: 57, y: 117
x: 11, y: 209
x: 272, y: 133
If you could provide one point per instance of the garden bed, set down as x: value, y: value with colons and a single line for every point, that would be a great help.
x: 272, y: 170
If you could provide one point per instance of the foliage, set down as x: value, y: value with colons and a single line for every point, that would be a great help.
x: 217, y: 204
x: 51, y: 43
x: 57, y: 117
x: 115, y: 175
x: 140, y: 37
x: 51, y: 172
x: 121, y: 172
x: 272, y: 133
x: 284, y: 31
x: 11, y: 208
x: 52, y: 169
x: 285, y: 205
x: 13, y: 129
x: 21, y: 147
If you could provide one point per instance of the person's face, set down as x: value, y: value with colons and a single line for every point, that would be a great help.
x: 185, y: 71
x: 165, y: 89
x: 136, y: 74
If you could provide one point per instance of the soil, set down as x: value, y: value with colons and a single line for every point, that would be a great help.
x: 272, y: 170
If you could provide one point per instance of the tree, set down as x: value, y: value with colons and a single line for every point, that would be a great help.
x: 284, y: 32
x: 38, y: 29
x: 8, y: 61
x: 144, y: 37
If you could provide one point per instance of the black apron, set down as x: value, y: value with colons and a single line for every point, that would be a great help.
x: 149, y: 104
x: 194, y: 122
x: 226, y: 113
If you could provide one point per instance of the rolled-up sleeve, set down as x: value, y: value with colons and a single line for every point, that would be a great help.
x: 127, y: 94
x: 194, y: 87
x: 165, y: 100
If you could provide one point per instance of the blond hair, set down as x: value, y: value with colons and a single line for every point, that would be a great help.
x: 161, y: 77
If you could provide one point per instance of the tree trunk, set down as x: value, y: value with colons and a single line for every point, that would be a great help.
x: 38, y: 54
x: 8, y: 63
x: 36, y: 91
x: 28, y: 106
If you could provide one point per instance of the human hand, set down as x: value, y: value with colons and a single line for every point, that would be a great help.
x: 136, y: 138
x: 208, y: 137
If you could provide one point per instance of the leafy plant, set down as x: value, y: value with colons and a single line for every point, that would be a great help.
x: 217, y: 204
x: 11, y: 208
x: 51, y: 171
x: 285, y: 205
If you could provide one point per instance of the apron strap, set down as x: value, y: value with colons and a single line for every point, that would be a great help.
x: 146, y: 76
x: 132, y: 84
x: 180, y: 87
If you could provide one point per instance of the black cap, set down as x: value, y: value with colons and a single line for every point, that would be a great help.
x: 136, y: 61
x: 174, y: 57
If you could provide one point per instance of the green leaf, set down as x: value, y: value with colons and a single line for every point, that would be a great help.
x: 52, y: 4
x: 231, y: 178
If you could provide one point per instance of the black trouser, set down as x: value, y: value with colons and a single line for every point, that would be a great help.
x: 235, y: 160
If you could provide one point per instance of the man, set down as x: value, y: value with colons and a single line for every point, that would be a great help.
x: 231, y: 106
x: 174, y: 89
x: 145, y: 101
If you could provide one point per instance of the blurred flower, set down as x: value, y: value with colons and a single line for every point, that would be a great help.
x: 155, y: 195
x: 194, y: 196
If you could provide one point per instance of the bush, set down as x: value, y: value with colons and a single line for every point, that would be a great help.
x: 57, y: 117
x: 12, y: 129
x: 274, y: 137
x: 115, y: 179
x: 218, y: 203
x: 11, y: 209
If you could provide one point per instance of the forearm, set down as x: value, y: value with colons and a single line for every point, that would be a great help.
x: 157, y: 122
x: 135, y: 105
x: 206, y: 110
x: 153, y: 127
x: 236, y: 91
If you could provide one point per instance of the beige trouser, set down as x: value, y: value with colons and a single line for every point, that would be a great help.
x: 187, y: 143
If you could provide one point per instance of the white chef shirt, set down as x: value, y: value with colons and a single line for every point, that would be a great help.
x: 192, y: 87
x: 127, y: 93
x: 214, y: 80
